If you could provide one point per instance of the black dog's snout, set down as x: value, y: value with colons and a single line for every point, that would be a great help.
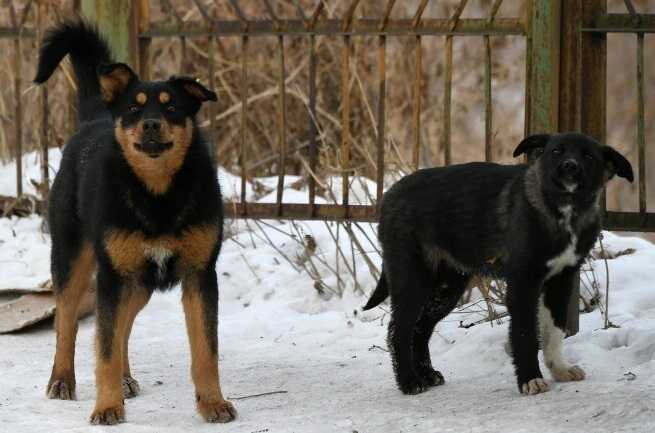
x: 569, y: 167
x: 151, y: 126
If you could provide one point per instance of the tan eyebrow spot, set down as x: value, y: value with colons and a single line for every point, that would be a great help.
x: 164, y: 97
x: 141, y: 98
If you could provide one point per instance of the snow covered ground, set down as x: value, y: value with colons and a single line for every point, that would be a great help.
x: 326, y: 363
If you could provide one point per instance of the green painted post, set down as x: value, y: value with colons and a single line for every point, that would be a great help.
x: 543, y: 76
x: 114, y: 18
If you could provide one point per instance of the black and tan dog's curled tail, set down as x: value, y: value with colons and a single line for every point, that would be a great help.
x: 380, y: 293
x: 87, y: 50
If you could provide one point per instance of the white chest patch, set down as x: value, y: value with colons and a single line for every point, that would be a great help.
x: 159, y: 255
x: 567, y: 257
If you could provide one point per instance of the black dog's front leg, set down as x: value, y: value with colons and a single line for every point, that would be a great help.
x: 522, y: 303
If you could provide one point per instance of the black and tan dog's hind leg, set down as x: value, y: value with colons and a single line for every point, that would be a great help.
x: 131, y: 387
x: 553, y: 307
x: 200, y: 301
x: 449, y: 286
x: 72, y: 271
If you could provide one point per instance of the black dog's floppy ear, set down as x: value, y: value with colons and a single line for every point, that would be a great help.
x: 114, y: 79
x: 193, y: 88
x: 617, y: 164
x: 531, y: 143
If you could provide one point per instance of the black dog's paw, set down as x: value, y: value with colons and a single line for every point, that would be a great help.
x: 413, y: 386
x: 131, y: 387
x: 534, y: 386
x: 61, y: 389
x: 433, y: 378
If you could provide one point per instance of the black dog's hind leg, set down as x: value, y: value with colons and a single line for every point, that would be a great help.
x: 552, y: 318
x: 411, y: 284
x: 450, y: 285
x: 522, y: 304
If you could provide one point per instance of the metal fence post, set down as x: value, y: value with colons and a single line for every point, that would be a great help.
x: 115, y: 19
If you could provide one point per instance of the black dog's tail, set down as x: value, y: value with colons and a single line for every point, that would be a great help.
x: 380, y: 293
x: 87, y: 50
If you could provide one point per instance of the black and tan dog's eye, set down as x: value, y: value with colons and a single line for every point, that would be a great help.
x: 589, y: 156
x: 557, y: 151
x: 133, y: 108
x: 170, y: 108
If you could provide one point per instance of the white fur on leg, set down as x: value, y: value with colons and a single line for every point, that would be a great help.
x: 552, y: 338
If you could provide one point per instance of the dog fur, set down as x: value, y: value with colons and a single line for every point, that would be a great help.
x: 532, y: 224
x: 137, y: 199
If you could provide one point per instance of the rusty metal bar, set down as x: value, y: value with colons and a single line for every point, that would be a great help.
x: 641, y: 138
x: 300, y: 211
x: 282, y: 122
x: 345, y: 118
x: 316, y: 14
x: 630, y: 7
x: 488, y: 108
x: 243, y: 156
x: 143, y: 24
x: 494, y: 10
x: 43, y: 129
x: 313, y: 129
x: 416, y: 148
x: 211, y: 52
x: 348, y: 18
x: 448, y: 84
x: 387, y: 13
x: 18, y: 107
x: 457, y: 14
x: 621, y: 23
x: 419, y: 13
x: 334, y: 27
x: 381, y: 126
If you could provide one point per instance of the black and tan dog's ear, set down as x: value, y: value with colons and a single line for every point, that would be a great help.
x: 193, y: 88
x: 114, y: 79
x: 533, y: 146
x: 615, y: 163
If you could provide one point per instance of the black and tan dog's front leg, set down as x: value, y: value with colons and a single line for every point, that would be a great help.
x: 200, y: 300
x: 117, y: 305
x: 522, y: 304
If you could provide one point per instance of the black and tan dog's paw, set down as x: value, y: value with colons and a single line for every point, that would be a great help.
x: 534, y: 386
x: 217, y: 412
x: 61, y: 389
x: 413, y: 385
x: 108, y: 416
x: 131, y: 387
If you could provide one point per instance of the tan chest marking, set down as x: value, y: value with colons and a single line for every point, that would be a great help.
x: 129, y: 251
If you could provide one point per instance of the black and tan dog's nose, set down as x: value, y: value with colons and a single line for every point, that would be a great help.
x: 151, y: 126
x: 569, y: 167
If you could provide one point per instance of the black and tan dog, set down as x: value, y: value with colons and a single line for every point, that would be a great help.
x: 136, y: 197
x: 531, y: 224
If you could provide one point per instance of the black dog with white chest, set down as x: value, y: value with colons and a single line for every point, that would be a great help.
x: 532, y: 224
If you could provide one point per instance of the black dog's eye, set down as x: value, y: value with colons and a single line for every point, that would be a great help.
x: 170, y: 108
x: 133, y: 108
x: 538, y: 151
x: 589, y: 156
x: 557, y: 151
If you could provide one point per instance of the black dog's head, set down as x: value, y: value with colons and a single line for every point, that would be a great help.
x: 154, y: 120
x: 573, y: 163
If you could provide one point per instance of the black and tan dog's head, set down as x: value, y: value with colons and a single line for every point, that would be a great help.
x: 154, y: 120
x: 573, y: 163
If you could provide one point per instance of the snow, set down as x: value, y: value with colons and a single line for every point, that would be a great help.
x: 278, y: 333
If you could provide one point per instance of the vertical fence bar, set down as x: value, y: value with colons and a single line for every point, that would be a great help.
x: 416, y: 149
x: 381, y: 129
x: 211, y: 71
x: 382, y: 92
x: 18, y: 108
x: 43, y: 127
x: 345, y: 118
x: 243, y: 156
x: 282, y: 120
x: 313, y: 130
x: 448, y: 81
x: 641, y: 138
x: 488, y: 108
x: 143, y: 25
